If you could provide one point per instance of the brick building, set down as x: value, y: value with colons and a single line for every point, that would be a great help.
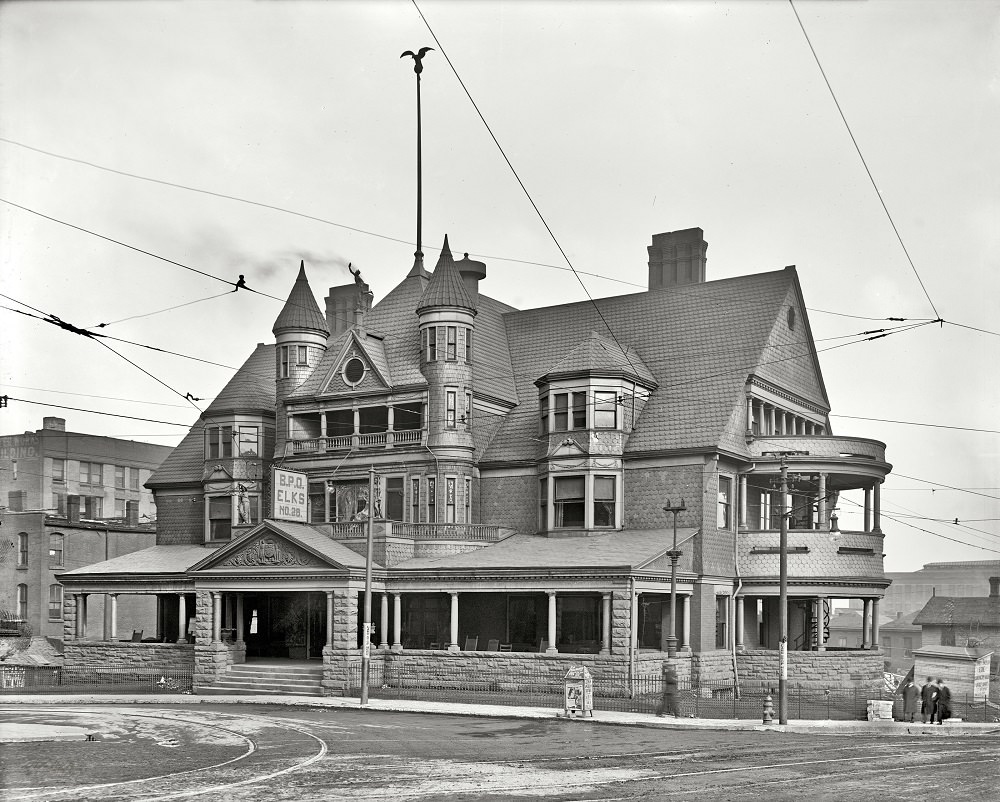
x: 911, y: 590
x: 519, y: 465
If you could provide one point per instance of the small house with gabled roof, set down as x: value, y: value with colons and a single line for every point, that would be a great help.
x: 512, y: 469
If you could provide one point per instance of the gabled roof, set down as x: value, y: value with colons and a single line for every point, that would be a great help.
x: 446, y: 287
x: 295, y: 538
x: 250, y: 391
x: 597, y: 355
x: 983, y: 611
x: 301, y: 310
x: 626, y: 549
x: 372, y: 346
x: 699, y: 341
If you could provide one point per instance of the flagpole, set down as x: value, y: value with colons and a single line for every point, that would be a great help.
x: 418, y: 257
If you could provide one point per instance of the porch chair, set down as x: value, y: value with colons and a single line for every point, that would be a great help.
x: 434, y: 645
x: 493, y: 645
x: 471, y: 643
x: 542, y: 646
x: 136, y: 636
x: 505, y: 647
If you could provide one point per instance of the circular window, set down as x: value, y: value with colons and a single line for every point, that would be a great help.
x: 354, y: 370
x: 791, y: 317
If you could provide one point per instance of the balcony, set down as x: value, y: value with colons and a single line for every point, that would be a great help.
x: 349, y: 442
x: 853, y: 461
x: 814, y: 556
x: 481, y: 533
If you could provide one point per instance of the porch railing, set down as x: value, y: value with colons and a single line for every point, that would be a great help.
x: 345, y: 442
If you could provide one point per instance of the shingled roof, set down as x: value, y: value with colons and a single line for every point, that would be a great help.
x: 960, y: 611
x: 599, y: 355
x: 301, y: 310
x: 446, y: 287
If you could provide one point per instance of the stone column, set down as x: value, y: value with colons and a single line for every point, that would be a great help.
x: 866, y: 625
x: 329, y: 619
x: 239, y: 617
x: 749, y: 415
x: 685, y: 639
x: 397, y: 616
x: 383, y: 621
x: 552, y: 624
x: 824, y: 522
x: 771, y: 425
x: 739, y: 624
x: 868, y: 509
x: 877, y: 529
x: 743, y: 503
x: 322, y: 424
x: 110, y: 617
x: 453, y: 645
x: 216, y: 617
x: 605, y: 623
x: 875, y: 622
x: 181, y: 618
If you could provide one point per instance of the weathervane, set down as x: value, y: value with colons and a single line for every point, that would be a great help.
x: 418, y: 257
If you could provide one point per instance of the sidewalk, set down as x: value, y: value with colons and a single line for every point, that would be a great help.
x: 611, y: 717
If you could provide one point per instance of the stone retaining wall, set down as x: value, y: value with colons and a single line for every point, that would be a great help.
x: 82, y: 658
x: 861, y: 668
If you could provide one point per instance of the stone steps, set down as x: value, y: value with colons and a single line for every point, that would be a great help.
x: 252, y: 679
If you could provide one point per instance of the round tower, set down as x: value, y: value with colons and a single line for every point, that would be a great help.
x: 300, y: 335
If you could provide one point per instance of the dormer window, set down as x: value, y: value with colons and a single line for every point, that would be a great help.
x: 605, y: 410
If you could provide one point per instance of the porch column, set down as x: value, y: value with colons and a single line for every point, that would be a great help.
x: 80, y: 631
x: 824, y: 523
x: 181, y: 618
x: 877, y: 529
x: 749, y: 415
x: 605, y: 623
x: 329, y: 619
x: 322, y: 424
x: 685, y: 640
x: 868, y: 509
x: 771, y: 421
x: 552, y: 623
x: 397, y: 615
x: 875, y: 622
x: 239, y: 617
x: 739, y: 624
x: 453, y: 645
x: 866, y: 625
x: 110, y: 616
x: 383, y: 621
x: 743, y: 503
x: 390, y: 423
x: 820, y: 608
x: 216, y: 617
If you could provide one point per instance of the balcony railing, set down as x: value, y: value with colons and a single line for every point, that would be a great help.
x: 416, y: 531
x: 346, y: 442
x: 819, y: 446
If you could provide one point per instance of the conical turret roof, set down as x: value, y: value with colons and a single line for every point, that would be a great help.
x: 446, y: 287
x: 301, y: 310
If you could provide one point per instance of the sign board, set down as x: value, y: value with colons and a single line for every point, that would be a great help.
x: 981, y: 679
x: 289, y: 493
x: 366, y: 642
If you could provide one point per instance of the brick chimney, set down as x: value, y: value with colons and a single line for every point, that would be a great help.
x: 994, y: 587
x: 54, y: 424
x: 677, y: 258
x: 73, y: 509
x: 346, y: 307
x: 131, y: 513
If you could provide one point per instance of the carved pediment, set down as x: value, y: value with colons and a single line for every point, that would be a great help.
x: 268, y: 551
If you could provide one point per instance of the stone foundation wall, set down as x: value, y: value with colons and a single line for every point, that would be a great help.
x: 212, y: 661
x: 81, y: 658
x: 712, y: 667
x: 860, y: 668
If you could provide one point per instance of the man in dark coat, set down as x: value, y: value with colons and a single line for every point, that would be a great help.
x: 928, y: 700
x: 911, y: 696
x: 669, y: 702
x: 943, y: 706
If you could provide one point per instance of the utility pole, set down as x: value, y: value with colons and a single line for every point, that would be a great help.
x: 674, y: 554
x: 366, y: 636
x: 783, y: 598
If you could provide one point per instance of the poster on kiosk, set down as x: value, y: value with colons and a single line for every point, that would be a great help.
x: 289, y: 492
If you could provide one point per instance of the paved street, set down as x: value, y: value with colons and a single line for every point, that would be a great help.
x: 256, y: 753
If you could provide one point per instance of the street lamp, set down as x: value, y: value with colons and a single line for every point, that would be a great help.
x: 674, y: 554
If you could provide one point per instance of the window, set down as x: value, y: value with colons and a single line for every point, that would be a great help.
x: 430, y: 340
x: 317, y: 502
x: 91, y: 507
x: 415, y: 500
x: 468, y: 345
x: 907, y: 647
x: 90, y: 473
x: 249, y: 446
x: 22, y: 603
x: 283, y: 364
x: 303, y: 355
x: 59, y: 503
x: 604, y: 501
x: 133, y: 478
x: 55, y: 602
x: 452, y: 342
x: 887, y: 645
x: 120, y: 472
x: 468, y: 500
x: 55, y: 551
x: 354, y: 371
x: 431, y: 497
x: 543, y: 413
x: 218, y: 442
x: 22, y: 549
x: 570, y: 411
x: 220, y: 518
x: 570, y: 495
x: 468, y: 411
x: 119, y: 508
x: 58, y: 470
x: 725, y: 491
x: 449, y: 497
x: 394, y: 498
x: 450, y: 399
x: 605, y: 410
x: 721, y: 621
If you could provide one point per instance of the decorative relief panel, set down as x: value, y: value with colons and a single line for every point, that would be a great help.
x: 269, y: 552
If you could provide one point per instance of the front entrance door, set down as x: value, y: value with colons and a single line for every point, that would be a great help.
x: 290, y: 625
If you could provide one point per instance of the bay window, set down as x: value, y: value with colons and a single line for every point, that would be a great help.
x: 604, y: 501
x: 570, y: 499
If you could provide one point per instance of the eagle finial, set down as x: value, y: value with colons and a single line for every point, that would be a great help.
x: 418, y: 58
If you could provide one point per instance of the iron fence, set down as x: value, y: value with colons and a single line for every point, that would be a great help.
x: 15, y: 679
x: 719, y: 700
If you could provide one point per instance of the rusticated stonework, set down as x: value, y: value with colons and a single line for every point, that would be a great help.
x: 269, y: 551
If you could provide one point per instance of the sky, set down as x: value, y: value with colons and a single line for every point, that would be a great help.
x: 240, y: 138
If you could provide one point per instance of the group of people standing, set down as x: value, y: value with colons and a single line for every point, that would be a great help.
x: 934, y: 699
